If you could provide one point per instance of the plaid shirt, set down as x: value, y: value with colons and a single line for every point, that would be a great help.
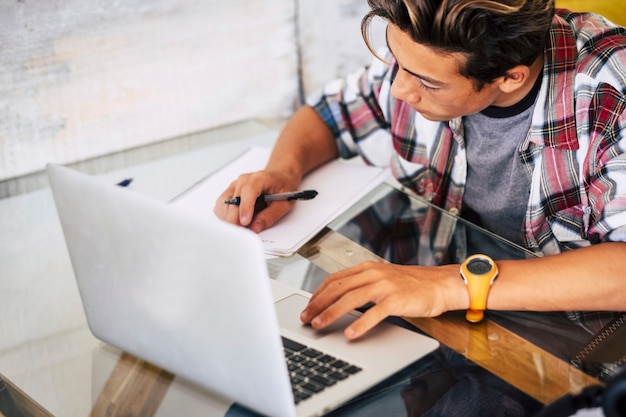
x: 575, y: 150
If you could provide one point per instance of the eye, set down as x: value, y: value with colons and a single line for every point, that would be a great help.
x: 426, y: 87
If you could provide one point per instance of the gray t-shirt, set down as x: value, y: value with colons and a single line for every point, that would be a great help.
x: 498, y: 184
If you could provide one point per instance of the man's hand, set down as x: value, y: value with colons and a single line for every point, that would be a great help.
x: 304, y: 144
x: 395, y: 290
x: 249, y: 187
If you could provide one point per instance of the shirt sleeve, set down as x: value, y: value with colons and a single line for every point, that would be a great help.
x: 355, y: 109
x: 607, y: 184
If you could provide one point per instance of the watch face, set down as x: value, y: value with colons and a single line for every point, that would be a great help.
x: 479, y: 266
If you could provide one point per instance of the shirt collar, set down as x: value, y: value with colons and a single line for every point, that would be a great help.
x: 558, y: 129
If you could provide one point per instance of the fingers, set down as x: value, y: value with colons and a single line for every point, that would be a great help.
x: 267, y: 217
x: 372, y: 317
x: 246, y: 215
x: 248, y: 187
x: 340, y: 294
x: 397, y: 290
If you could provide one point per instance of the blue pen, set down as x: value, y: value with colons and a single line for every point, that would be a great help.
x: 125, y: 183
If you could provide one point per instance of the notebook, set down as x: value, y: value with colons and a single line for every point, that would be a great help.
x: 192, y: 295
x: 339, y: 185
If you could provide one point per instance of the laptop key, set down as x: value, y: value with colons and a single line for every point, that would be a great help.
x: 314, y: 388
x: 326, y: 382
x: 297, y: 359
x: 296, y: 380
x: 352, y: 369
x: 300, y: 396
x: 338, y: 364
x: 324, y: 369
x: 293, y: 345
x: 303, y: 372
x: 311, y: 353
x: 338, y: 375
x: 311, y: 371
x: 326, y: 359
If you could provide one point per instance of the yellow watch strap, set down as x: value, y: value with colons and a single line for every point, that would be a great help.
x: 479, y: 272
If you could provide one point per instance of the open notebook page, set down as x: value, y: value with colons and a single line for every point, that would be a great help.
x: 339, y: 185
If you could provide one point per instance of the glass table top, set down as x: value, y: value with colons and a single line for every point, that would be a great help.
x: 52, y: 365
x: 394, y: 226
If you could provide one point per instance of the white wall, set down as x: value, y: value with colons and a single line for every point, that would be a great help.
x: 80, y: 79
x: 331, y: 42
x: 83, y: 78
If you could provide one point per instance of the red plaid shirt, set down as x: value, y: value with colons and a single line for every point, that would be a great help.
x: 575, y: 149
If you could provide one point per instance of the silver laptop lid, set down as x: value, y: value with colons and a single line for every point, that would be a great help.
x: 153, y: 285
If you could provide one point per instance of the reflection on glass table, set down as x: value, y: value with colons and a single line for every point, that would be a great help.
x: 405, y: 229
x: 445, y: 383
x: 106, y: 379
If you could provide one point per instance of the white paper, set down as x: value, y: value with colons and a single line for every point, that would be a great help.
x: 339, y: 185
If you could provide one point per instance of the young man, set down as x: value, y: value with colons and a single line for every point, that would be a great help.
x: 501, y: 111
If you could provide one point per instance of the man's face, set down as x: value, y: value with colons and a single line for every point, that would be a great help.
x: 430, y: 82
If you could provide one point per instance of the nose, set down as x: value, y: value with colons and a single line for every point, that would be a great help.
x: 402, y: 89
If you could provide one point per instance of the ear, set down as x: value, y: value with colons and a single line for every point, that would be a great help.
x: 515, y: 79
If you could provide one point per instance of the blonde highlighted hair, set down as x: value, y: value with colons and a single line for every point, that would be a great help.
x: 494, y: 35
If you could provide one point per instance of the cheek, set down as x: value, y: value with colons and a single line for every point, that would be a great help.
x: 444, y: 101
x: 463, y: 101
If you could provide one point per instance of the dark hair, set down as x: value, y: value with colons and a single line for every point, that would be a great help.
x: 494, y: 35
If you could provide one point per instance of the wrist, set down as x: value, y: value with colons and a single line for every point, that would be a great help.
x: 455, y: 296
x: 478, y: 273
x: 288, y: 167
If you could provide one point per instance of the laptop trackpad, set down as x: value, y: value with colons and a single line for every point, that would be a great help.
x: 288, y: 310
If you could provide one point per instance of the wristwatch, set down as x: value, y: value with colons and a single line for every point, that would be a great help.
x: 479, y: 272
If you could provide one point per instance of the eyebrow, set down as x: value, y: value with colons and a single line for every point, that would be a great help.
x: 421, y: 77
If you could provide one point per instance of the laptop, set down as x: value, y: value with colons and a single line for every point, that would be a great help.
x: 192, y: 295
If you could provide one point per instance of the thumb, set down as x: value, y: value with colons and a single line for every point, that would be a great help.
x: 267, y: 217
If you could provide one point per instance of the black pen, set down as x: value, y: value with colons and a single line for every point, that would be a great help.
x: 266, y: 198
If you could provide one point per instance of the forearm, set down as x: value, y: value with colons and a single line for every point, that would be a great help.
x: 304, y: 143
x: 586, y: 279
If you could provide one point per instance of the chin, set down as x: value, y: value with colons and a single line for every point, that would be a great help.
x: 433, y: 117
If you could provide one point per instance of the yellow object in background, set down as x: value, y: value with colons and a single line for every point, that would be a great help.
x: 614, y: 10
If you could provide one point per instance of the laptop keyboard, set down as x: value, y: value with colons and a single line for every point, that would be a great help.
x: 312, y: 371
